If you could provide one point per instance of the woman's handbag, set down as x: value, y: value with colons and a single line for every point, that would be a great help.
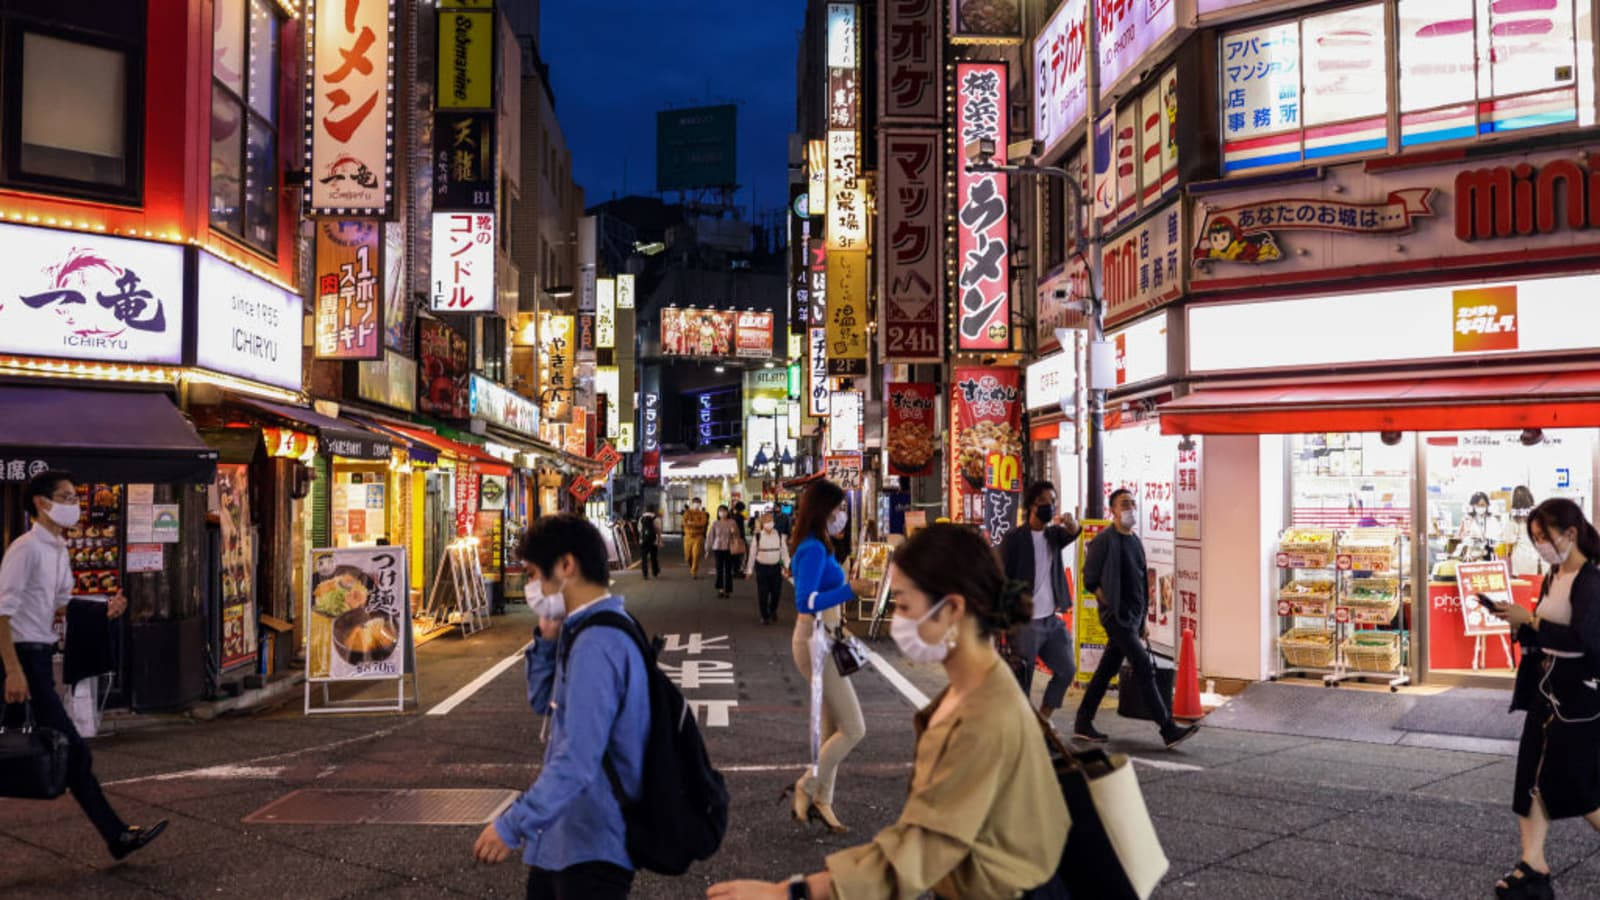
x: 736, y: 544
x: 1112, y: 851
x: 33, y: 760
x: 848, y: 654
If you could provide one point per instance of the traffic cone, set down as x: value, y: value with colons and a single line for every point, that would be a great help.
x: 1186, y: 696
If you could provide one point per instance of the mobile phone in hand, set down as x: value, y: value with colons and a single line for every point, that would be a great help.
x: 1490, y: 605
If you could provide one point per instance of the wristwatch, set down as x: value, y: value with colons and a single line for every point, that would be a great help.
x: 798, y: 888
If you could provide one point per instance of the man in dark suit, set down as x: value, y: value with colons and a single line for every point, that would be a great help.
x: 1031, y: 554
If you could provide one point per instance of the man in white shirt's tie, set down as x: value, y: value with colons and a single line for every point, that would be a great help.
x: 35, y: 586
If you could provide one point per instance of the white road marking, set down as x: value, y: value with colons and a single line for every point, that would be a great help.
x: 1169, y: 766
x: 476, y: 684
x: 248, y: 765
x: 696, y: 673
x: 227, y: 770
x: 717, y: 711
x: 697, y: 643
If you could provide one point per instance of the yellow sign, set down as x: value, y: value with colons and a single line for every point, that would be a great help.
x: 847, y: 312
x: 1089, y: 636
x: 466, y: 60
x: 467, y: 4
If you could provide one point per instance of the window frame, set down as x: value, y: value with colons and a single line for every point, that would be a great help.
x: 15, y: 29
x: 248, y: 117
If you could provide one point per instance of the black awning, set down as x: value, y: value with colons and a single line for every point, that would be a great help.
x: 119, y: 437
x: 336, y: 438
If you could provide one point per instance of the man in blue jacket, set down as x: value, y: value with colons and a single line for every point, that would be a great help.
x: 569, y: 823
x: 1031, y: 554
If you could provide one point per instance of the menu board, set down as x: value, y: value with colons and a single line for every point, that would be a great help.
x: 94, y: 546
x: 238, y: 566
x: 357, y: 615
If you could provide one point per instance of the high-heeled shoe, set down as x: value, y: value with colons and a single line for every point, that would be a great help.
x: 802, y: 800
x: 824, y: 812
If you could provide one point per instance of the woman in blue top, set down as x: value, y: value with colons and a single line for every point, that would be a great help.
x: 820, y: 592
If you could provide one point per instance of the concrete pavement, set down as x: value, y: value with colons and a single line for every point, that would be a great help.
x: 1242, y: 814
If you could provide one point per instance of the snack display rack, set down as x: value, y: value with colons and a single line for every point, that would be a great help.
x: 1339, y: 605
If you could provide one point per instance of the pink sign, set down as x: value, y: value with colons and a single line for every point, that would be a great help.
x: 1127, y: 30
x: 983, y: 217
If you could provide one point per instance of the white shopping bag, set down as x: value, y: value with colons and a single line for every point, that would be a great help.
x: 83, y: 707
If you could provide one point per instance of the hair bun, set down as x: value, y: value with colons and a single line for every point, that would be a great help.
x: 1016, y: 602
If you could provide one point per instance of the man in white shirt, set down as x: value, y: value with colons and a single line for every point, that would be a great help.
x: 35, y: 585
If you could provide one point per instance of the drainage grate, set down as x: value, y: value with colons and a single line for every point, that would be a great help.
x: 426, y: 806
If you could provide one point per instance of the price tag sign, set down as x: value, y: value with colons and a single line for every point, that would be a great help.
x: 1341, y: 614
x: 1004, y: 472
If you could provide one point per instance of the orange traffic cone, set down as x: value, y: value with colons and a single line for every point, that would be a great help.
x: 1186, y: 695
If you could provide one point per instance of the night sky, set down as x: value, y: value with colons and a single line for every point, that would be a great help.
x: 615, y: 63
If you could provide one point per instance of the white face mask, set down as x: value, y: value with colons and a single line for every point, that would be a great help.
x: 1128, y: 518
x: 1550, y: 555
x: 63, y: 514
x: 909, y: 639
x: 837, y: 522
x: 550, y: 606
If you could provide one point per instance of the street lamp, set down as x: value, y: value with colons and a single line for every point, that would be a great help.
x: 980, y: 159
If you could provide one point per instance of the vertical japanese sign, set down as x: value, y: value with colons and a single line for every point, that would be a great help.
x: 1186, y: 493
x: 625, y: 288
x: 349, y: 106
x: 444, y: 390
x: 843, y: 469
x: 847, y: 220
x: 913, y: 434
x: 817, y: 255
x: 463, y: 262
x: 1060, y: 73
x: 985, y: 431
x: 816, y: 177
x: 466, y: 499
x: 799, y: 271
x: 555, y: 365
x: 349, y: 318
x: 359, y: 614
x: 843, y: 88
x: 607, y: 380
x: 817, y: 373
x: 466, y: 59
x: 911, y: 74
x: 463, y: 161
x: 1143, y: 267
x: 983, y: 217
x: 1126, y: 31
x: 847, y: 312
x: 605, y: 317
x: 1000, y: 513
x: 911, y: 249
x: 650, y: 416
x: 847, y: 215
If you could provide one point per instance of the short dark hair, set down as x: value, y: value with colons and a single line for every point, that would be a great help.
x: 1034, y: 491
x: 1478, y: 497
x: 42, y: 485
x: 1115, y: 494
x: 551, y: 537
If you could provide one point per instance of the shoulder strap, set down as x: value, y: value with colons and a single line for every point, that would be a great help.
x: 624, y: 622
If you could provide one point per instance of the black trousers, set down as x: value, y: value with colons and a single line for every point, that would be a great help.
x: 1124, y: 645
x: 769, y: 587
x: 584, y: 881
x: 650, y: 560
x: 725, y: 563
x: 48, y: 712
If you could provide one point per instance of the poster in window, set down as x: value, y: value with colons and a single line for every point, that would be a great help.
x: 489, y: 529
x: 238, y: 566
x: 358, y: 613
x: 444, y: 388
x: 463, y: 161
x: 913, y: 435
x: 350, y: 107
x: 983, y: 217
x: 349, y: 323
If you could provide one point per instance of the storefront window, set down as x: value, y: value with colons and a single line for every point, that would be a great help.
x: 1139, y: 458
x: 1481, y: 485
x: 360, y: 504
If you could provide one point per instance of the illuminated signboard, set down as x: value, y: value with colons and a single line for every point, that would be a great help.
x: 349, y: 312
x: 1126, y: 31
x: 847, y: 312
x: 716, y: 333
x: 349, y: 105
x: 607, y: 381
x: 625, y: 287
x: 911, y: 72
x: 605, y: 317
x: 983, y: 284
x: 466, y: 59
x: 247, y: 325
x: 463, y: 262
x: 912, y: 258
x: 494, y: 403
x: 1060, y: 77
x: 817, y: 390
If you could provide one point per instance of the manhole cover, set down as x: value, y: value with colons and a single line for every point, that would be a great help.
x: 426, y: 806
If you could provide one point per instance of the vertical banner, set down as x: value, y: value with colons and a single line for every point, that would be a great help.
x: 983, y: 212
x: 911, y: 249
x: 605, y: 317
x: 817, y: 392
x: 466, y: 59
x: 985, y: 431
x: 463, y: 262
x: 799, y: 210
x: 625, y: 287
x: 911, y: 68
x: 817, y: 254
x: 466, y: 499
x: 847, y: 312
x: 349, y: 316
x: 913, y: 435
x: 463, y: 161
x: 555, y: 365
x: 349, y: 105
x: 607, y: 380
x: 1000, y: 511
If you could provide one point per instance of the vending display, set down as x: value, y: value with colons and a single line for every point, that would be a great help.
x: 95, y: 545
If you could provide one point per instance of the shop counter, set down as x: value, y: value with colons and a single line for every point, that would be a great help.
x: 1449, y: 646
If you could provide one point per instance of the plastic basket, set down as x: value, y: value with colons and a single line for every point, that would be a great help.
x: 1383, y: 657
x: 1300, y: 648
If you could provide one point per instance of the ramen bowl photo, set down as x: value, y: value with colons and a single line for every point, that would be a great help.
x: 363, y: 636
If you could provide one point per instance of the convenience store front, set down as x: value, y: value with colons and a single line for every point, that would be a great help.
x: 1362, y: 492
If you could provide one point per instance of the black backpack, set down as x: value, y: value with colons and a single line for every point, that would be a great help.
x: 682, y: 810
x: 647, y: 530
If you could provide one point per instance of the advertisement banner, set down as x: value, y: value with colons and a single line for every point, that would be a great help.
x: 1060, y: 73
x: 466, y: 60
x: 397, y: 310
x: 556, y: 365
x: 349, y: 318
x: 847, y: 312
x: 697, y: 332
x: 498, y: 405
x: 913, y: 435
x: 605, y: 315
x: 1491, y: 579
x: 1125, y: 31
x: 817, y: 391
x: 466, y: 498
x: 443, y: 389
x: 847, y: 215
x: 463, y: 161
x: 625, y: 292
x: 983, y: 217
x: 1143, y: 268
x: 843, y: 469
x: 1089, y: 636
x: 817, y: 253
x: 463, y: 263
x: 349, y: 104
x: 985, y: 429
x: 238, y: 566
x: 911, y: 61
x: 72, y: 295
x: 985, y: 22
x: 1000, y: 513
x: 1186, y: 493
x: 1158, y: 140
x: 845, y: 422
x: 247, y: 325
x: 489, y: 529
x: 799, y: 210
x: 912, y: 252
x: 752, y: 335
x: 358, y: 613
x: 392, y: 382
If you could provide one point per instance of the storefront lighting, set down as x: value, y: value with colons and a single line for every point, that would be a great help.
x: 239, y: 385
x: 52, y: 368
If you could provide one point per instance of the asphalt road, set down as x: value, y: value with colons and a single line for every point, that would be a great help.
x: 1241, y: 814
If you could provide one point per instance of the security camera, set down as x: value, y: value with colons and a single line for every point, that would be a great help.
x: 980, y: 151
x: 1021, y: 150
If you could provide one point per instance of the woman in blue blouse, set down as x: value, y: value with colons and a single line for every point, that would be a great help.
x: 820, y: 592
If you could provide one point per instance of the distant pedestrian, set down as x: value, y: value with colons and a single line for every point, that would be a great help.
x: 820, y: 592
x: 1031, y: 554
x: 984, y: 816
x: 769, y: 561
x: 649, y: 545
x: 1558, y: 765
x: 35, y: 587
x: 1114, y: 569
x: 724, y: 534
x: 695, y: 523
x: 569, y: 824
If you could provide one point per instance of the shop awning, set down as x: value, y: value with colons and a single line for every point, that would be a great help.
x: 417, y: 450
x: 1493, y: 402
x: 335, y: 438
x: 480, y: 460
x: 112, y: 436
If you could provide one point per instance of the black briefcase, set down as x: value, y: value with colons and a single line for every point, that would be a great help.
x: 1130, y: 700
x: 33, y: 760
